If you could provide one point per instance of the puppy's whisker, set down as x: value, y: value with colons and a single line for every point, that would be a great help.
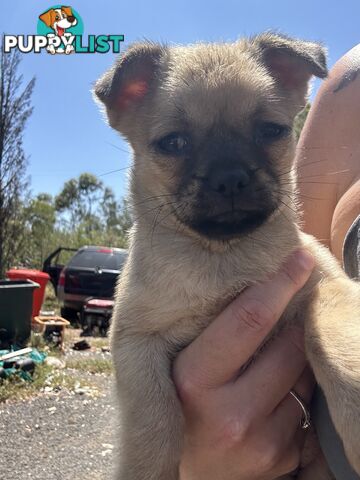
x: 119, y: 148
x: 296, y: 168
x: 312, y: 183
x: 324, y: 174
x: 298, y: 165
x: 151, y: 199
x: 257, y: 241
x: 146, y: 212
x: 295, y: 195
x: 154, y: 225
x: 330, y: 147
x: 283, y: 213
x: 161, y: 220
x: 179, y: 215
x: 113, y: 171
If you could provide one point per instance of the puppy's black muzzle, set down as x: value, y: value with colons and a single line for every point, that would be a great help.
x: 230, y: 202
x: 229, y: 184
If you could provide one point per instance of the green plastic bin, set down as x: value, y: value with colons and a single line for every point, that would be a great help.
x: 16, y: 299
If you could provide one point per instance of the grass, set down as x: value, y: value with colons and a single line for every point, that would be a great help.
x: 37, y: 341
x: 15, y: 388
x: 91, y: 365
x: 99, y: 342
x: 50, y: 303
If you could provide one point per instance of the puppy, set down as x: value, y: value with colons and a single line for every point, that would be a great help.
x: 213, y: 195
x: 59, y: 19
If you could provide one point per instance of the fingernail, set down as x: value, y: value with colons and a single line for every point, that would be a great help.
x: 305, y: 259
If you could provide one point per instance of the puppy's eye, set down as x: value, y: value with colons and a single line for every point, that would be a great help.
x: 269, y: 132
x: 57, y: 17
x: 174, y: 144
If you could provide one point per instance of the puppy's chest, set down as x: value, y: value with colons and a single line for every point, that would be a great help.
x: 180, y: 314
x: 187, y: 325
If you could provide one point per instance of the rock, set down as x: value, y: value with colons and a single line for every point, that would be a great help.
x: 55, y: 362
x: 80, y: 391
x: 107, y: 446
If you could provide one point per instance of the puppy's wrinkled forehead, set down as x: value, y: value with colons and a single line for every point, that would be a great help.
x: 153, y: 85
x: 216, y: 84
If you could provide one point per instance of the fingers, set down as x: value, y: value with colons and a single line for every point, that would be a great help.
x: 282, y: 429
x: 274, y: 372
x: 216, y: 356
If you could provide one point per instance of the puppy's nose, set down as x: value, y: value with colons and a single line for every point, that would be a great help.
x: 71, y: 18
x: 229, y: 183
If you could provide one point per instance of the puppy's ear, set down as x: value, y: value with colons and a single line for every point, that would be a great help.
x: 291, y: 62
x: 47, y: 17
x: 128, y: 84
x: 68, y: 11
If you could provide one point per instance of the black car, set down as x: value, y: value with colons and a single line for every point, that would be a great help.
x: 91, y: 272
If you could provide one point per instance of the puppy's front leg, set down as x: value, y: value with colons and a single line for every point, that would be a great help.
x: 332, y: 336
x: 151, y: 422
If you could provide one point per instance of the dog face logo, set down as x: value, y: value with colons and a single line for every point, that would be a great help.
x: 58, y: 20
x: 60, y: 29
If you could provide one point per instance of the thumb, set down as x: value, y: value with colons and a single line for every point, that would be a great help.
x: 216, y: 356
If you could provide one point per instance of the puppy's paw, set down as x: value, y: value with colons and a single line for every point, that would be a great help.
x: 51, y: 49
x: 69, y: 49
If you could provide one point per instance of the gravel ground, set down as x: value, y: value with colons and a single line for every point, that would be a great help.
x: 62, y: 435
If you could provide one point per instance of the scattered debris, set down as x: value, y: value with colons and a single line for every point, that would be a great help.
x: 15, y: 353
x: 20, y: 362
x: 41, y: 370
x: 52, y: 328
x: 47, y: 313
x: 81, y: 345
x: 55, y: 362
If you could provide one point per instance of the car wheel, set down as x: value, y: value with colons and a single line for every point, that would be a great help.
x: 69, y: 314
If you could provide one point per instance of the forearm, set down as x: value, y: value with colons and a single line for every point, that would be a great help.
x: 328, y: 156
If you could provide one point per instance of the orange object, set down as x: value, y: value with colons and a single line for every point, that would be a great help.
x: 36, y: 276
x: 44, y: 322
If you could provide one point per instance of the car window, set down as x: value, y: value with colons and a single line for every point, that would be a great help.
x: 92, y: 259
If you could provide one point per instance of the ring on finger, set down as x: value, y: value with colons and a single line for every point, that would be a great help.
x: 305, y: 422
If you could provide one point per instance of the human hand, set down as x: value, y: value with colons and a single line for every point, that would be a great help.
x: 246, y: 427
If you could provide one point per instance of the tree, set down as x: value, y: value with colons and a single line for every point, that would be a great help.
x: 300, y: 120
x: 79, y: 198
x: 90, y: 212
x: 15, y: 109
x: 40, y: 222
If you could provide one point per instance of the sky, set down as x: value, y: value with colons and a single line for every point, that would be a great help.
x: 66, y: 135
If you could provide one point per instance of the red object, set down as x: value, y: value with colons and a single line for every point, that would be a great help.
x: 61, y: 282
x: 98, y: 303
x: 36, y: 276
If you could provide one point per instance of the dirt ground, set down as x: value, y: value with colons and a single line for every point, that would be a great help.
x: 63, y: 432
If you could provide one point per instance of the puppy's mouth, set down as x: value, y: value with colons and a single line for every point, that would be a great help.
x: 231, y: 224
